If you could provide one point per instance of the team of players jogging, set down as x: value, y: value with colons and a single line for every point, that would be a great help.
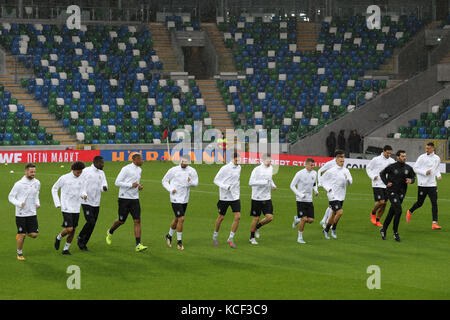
x: 83, y: 187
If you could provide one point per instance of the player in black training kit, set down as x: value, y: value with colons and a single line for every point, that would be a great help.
x: 396, y: 177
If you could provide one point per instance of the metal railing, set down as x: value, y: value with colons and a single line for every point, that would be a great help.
x: 2, y: 62
x: 142, y: 14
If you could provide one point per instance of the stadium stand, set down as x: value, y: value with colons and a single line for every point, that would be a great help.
x: 182, y: 23
x: 445, y: 24
x: 104, y: 83
x: 17, y: 127
x: 431, y: 125
x: 301, y: 91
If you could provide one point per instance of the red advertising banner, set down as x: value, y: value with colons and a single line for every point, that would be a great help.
x: 284, y: 159
x: 47, y: 156
x: 211, y: 156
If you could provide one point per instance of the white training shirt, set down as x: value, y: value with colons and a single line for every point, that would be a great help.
x: 424, y: 163
x: 337, y: 179
x: 129, y: 174
x: 177, y: 179
x: 228, y: 177
x: 261, y: 182
x: 94, y: 181
x: 303, y: 185
x: 327, y: 166
x: 375, y: 166
x: 25, y: 191
x: 71, y: 193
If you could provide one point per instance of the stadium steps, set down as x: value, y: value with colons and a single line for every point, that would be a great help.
x: 215, y: 105
x: 389, y: 67
x: 307, y: 35
x: 391, y: 84
x: 16, y: 68
x: 446, y: 59
x: 226, y: 60
x: 433, y: 25
x: 163, y: 46
x: 39, y: 112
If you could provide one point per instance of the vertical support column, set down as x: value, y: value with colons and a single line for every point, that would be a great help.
x: 20, y: 9
x: 2, y: 62
x: 433, y: 10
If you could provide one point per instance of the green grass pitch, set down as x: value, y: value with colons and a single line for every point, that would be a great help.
x: 278, y: 268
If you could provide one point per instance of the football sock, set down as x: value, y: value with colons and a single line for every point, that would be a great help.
x: 259, y: 225
x: 216, y: 234
x: 171, y: 232
x: 67, y: 246
x: 179, y: 234
x: 138, y: 240
x: 59, y: 236
x: 231, y: 235
x: 300, y: 235
x: 252, y: 234
x: 19, y: 252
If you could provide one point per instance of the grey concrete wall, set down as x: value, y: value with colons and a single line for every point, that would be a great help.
x: 413, y: 57
x: 197, y: 38
x: 412, y: 113
x: 440, y: 51
x: 176, y: 47
x: 208, y: 54
x: 2, y: 62
x: 431, y: 36
x: 366, y: 118
x: 443, y: 72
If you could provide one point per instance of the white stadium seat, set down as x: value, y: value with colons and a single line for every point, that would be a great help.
x: 314, y: 122
x: 287, y: 121
x: 80, y: 136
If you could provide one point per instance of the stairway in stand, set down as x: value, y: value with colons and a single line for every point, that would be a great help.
x: 446, y: 59
x: 224, y: 54
x: 215, y: 105
x: 163, y: 46
x: 32, y: 105
x: 307, y: 35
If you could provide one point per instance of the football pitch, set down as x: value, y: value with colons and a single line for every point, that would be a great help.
x: 277, y: 268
